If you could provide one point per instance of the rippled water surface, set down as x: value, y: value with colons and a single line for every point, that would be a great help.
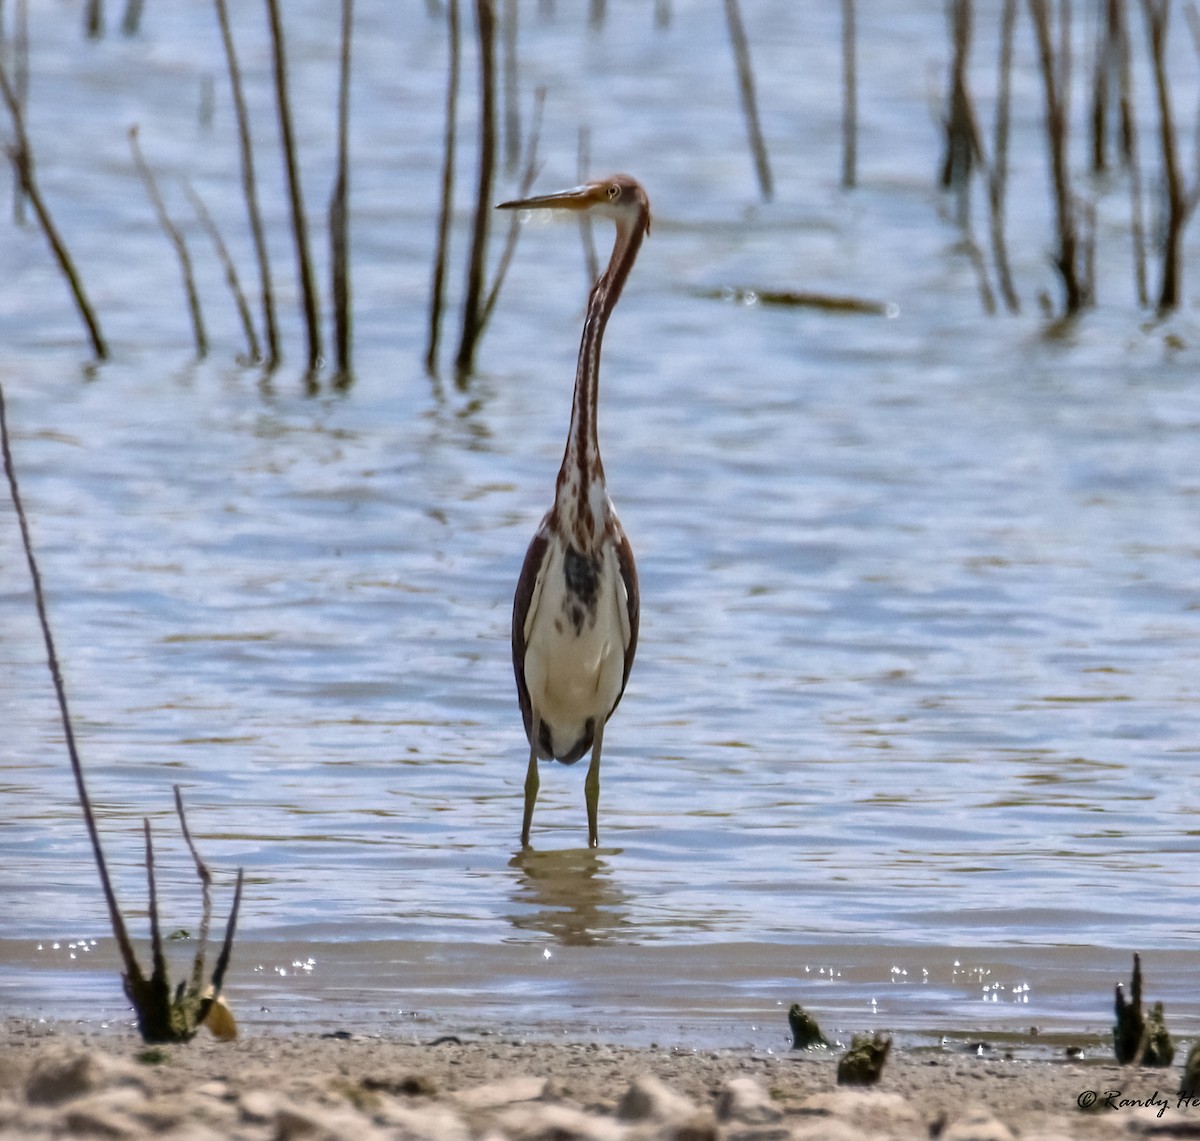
x: 912, y: 732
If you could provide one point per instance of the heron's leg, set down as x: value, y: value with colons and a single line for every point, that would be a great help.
x: 532, y: 783
x: 591, y: 787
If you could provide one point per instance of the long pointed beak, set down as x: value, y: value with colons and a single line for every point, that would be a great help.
x: 577, y: 198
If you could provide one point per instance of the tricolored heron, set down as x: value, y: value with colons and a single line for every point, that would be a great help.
x: 575, y: 614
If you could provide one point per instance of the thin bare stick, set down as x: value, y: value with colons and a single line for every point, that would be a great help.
x: 231, y: 273
x: 512, y: 108
x: 250, y: 189
x: 20, y: 51
x: 339, y: 213
x: 175, y: 235
x: 437, y: 289
x: 133, y: 17
x: 964, y: 148
x: 308, y: 282
x: 60, y: 692
x: 485, y: 24
x: 1055, y: 66
x: 998, y: 173
x: 1132, y: 161
x: 531, y: 169
x: 591, y: 262
x: 1192, y: 15
x: 849, y: 96
x: 1156, y: 13
x: 21, y: 155
x: 745, y: 73
x: 1105, y: 65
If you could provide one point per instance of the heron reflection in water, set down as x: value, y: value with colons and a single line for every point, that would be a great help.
x: 569, y: 895
x: 575, y: 614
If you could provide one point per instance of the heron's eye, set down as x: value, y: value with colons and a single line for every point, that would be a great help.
x: 614, y: 192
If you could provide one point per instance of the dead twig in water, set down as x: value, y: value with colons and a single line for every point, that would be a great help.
x: 1129, y: 153
x: 964, y: 145
x: 1104, y: 68
x: 591, y: 263
x: 133, y: 17
x: 1056, y: 70
x: 849, y: 96
x: 164, y: 1014
x: 20, y: 52
x: 437, y: 289
x: 231, y: 273
x: 93, y: 19
x: 308, y: 283
x: 745, y: 73
x: 176, y: 238
x: 1178, y: 206
x: 998, y: 172
x: 514, y: 228
x: 472, y: 325
x: 964, y: 148
x: 339, y: 216
x: 250, y: 189
x: 512, y: 107
x: 21, y: 156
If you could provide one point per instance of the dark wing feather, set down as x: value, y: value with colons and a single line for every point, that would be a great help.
x: 628, y: 569
x: 521, y: 600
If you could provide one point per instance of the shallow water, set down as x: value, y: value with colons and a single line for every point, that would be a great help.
x: 910, y: 733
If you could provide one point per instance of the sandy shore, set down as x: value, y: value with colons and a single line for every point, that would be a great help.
x: 61, y: 1081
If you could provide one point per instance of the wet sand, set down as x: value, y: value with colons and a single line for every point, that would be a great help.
x: 61, y: 1080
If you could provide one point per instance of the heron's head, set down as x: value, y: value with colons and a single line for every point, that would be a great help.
x: 619, y: 197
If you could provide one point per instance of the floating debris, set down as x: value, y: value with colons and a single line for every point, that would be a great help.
x: 800, y: 299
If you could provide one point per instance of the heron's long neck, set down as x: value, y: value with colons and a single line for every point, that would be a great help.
x: 579, y: 498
